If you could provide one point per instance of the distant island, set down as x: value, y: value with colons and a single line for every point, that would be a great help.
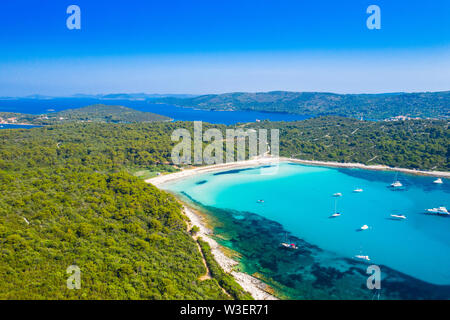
x: 94, y: 113
x: 422, y: 105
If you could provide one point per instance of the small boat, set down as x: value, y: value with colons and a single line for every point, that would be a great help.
x: 338, y: 194
x: 358, y: 190
x: 398, y: 216
x: 439, y: 211
x: 396, y: 183
x: 362, y: 257
x: 364, y: 227
x: 335, y: 214
x: 260, y: 201
x: 288, y: 245
x: 438, y: 181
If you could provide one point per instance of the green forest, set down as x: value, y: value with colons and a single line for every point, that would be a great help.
x: 370, y: 106
x: 94, y: 113
x: 68, y: 196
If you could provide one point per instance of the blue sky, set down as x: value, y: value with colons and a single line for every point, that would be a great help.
x: 197, y: 46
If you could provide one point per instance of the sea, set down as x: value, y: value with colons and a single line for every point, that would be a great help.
x: 253, y: 210
x: 43, y: 106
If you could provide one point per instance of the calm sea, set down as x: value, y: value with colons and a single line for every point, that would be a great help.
x: 37, y: 106
x: 413, y: 254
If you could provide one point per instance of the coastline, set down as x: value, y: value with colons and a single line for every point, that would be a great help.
x: 163, y: 179
x: 251, y: 284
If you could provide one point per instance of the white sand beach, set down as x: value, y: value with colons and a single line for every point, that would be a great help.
x: 162, y: 179
x: 250, y: 284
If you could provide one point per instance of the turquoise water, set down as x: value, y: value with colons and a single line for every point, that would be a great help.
x: 299, y: 198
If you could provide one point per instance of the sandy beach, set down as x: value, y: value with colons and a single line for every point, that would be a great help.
x: 163, y: 179
x: 250, y: 284
x: 254, y: 286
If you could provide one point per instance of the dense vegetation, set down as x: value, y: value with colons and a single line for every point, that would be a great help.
x: 369, y: 106
x: 414, y: 144
x: 94, y: 113
x: 65, y: 199
x: 68, y: 197
x: 225, y: 280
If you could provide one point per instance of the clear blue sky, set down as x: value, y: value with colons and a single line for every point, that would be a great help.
x: 197, y: 46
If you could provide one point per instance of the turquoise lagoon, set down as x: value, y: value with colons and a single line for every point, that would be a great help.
x: 413, y: 254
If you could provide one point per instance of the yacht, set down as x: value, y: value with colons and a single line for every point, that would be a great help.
x: 338, y: 194
x: 335, y: 214
x: 358, y: 190
x: 398, y: 216
x: 364, y: 227
x: 396, y: 183
x: 439, y: 211
x: 288, y: 245
x: 362, y: 257
x: 438, y: 181
x: 260, y: 201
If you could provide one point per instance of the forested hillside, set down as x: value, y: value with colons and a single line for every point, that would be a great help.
x: 369, y: 106
x: 414, y: 144
x: 66, y: 199
x: 94, y: 113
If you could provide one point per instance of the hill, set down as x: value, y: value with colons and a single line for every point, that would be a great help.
x: 94, y: 113
x: 67, y: 198
x: 369, y: 106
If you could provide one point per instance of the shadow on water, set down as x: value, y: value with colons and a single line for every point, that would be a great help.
x: 309, y: 272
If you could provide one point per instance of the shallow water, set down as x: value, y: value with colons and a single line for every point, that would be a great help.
x: 298, y: 200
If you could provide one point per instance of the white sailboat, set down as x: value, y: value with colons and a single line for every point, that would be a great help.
x: 396, y: 183
x: 438, y: 181
x: 335, y: 214
x: 362, y: 257
x: 288, y: 245
x: 398, y: 216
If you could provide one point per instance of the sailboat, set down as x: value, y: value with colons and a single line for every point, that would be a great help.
x: 358, y: 256
x: 335, y: 214
x: 398, y: 216
x: 438, y: 181
x: 396, y: 183
x: 288, y: 245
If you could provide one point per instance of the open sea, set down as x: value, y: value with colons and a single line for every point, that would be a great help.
x: 41, y: 106
x: 413, y: 254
